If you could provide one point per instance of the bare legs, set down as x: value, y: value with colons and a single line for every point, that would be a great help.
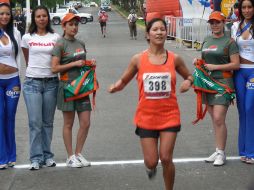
x: 84, y: 122
x: 165, y: 153
x: 218, y: 115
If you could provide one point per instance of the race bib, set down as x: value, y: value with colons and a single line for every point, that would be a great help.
x: 157, y: 85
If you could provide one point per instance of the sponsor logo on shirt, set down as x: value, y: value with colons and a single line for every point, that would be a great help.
x: 79, y: 52
x: 210, y: 48
x: 41, y: 44
x: 156, y: 77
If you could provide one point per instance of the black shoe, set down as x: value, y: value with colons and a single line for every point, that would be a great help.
x: 151, y: 173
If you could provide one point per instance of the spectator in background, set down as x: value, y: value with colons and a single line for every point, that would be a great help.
x: 40, y: 87
x: 68, y: 62
x: 132, y: 19
x: 9, y: 85
x: 234, y: 13
x: 221, y: 57
x: 243, y: 33
x: 21, y: 22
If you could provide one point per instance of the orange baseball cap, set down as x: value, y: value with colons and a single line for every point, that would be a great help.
x: 68, y: 17
x: 217, y: 15
x: 5, y: 1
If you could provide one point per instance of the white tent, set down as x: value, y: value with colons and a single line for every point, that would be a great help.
x: 194, y: 10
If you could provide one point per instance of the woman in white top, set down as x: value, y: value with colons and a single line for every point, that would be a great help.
x: 243, y: 33
x: 9, y: 85
x: 40, y: 87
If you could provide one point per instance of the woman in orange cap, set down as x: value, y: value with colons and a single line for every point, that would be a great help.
x: 221, y: 57
x: 5, y: 1
x: 68, y: 56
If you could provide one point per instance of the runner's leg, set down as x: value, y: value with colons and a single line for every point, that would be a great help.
x: 150, y: 152
x: 167, y: 144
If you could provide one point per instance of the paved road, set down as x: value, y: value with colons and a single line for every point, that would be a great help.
x: 112, y: 139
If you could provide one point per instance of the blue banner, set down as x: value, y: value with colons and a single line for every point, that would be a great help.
x: 205, y: 3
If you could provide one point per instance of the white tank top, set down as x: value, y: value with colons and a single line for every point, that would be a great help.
x: 7, y: 53
x: 246, y: 48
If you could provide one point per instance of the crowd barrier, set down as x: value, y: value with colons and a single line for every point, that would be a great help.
x: 187, y: 31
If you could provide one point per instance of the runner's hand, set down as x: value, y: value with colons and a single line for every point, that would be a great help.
x: 185, y: 86
x: 111, y: 88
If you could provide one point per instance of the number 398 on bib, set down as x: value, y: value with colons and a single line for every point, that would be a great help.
x: 157, y: 85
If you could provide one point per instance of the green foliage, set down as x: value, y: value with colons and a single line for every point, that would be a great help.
x: 127, y: 5
x: 34, y: 3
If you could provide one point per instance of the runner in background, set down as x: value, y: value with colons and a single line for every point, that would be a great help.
x: 157, y: 118
x: 132, y: 19
x: 103, y: 18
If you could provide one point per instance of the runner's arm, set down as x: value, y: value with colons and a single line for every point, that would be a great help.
x: 126, y: 77
x: 184, y: 72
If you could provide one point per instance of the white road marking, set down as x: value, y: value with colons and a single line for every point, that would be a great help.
x: 127, y: 162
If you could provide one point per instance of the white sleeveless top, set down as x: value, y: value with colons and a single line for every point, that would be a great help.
x: 7, y: 57
x: 246, y: 46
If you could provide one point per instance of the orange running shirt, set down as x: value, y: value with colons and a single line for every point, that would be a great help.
x: 157, y: 107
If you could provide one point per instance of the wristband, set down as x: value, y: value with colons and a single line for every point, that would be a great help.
x: 191, y: 81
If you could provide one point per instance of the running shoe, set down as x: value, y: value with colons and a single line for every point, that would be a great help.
x: 34, y: 166
x: 151, y: 173
x: 83, y: 161
x: 50, y: 162
x: 73, y: 162
x: 3, y: 166
x: 212, y: 157
x: 249, y: 160
x: 243, y: 158
x: 11, y: 164
x: 220, y: 159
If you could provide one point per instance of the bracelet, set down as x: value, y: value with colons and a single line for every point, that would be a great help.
x: 191, y: 81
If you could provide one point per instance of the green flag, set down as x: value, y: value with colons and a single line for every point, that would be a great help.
x: 83, y: 85
x: 203, y: 83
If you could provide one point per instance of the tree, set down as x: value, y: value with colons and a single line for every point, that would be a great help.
x: 129, y: 4
x: 34, y: 3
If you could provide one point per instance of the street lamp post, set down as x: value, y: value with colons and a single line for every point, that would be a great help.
x: 28, y: 14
